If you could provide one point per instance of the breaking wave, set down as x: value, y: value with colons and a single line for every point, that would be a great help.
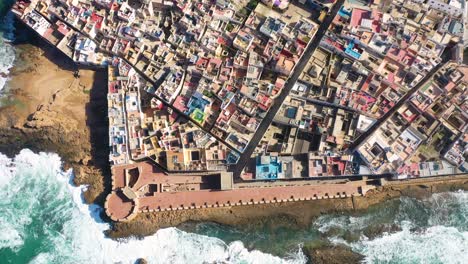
x: 7, y: 59
x: 437, y: 244
x: 433, y: 230
x: 7, y: 51
x: 44, y: 220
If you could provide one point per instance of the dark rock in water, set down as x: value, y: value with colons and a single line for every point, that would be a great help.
x: 333, y: 231
x: 377, y: 230
x: 331, y: 254
x: 351, y: 236
x: 347, y: 235
x: 419, y: 192
x: 141, y: 261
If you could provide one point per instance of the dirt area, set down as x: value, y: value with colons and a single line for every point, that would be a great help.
x: 53, y: 106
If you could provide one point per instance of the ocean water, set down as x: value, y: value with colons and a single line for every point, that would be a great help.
x: 44, y: 220
x: 7, y: 51
x: 399, y: 231
x: 433, y: 230
x: 7, y: 59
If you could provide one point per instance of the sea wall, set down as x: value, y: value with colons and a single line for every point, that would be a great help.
x: 72, y: 123
x: 300, y: 213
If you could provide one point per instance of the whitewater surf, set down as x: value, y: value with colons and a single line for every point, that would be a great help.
x: 433, y: 230
x: 7, y: 51
x: 44, y: 220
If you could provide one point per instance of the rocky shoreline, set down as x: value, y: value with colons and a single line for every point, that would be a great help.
x: 300, y: 214
x: 47, y: 108
x: 51, y: 109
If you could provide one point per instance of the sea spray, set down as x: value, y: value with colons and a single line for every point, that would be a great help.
x: 433, y: 230
x: 44, y: 220
x: 7, y: 34
x: 272, y: 235
x: 437, y: 244
x: 7, y: 59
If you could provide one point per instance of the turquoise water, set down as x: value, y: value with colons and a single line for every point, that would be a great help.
x: 7, y: 53
x: 4, y: 6
x: 43, y: 220
x: 405, y: 230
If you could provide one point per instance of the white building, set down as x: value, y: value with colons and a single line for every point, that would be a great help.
x: 451, y: 7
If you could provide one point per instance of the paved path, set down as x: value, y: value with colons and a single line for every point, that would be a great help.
x: 245, y: 196
x: 245, y: 156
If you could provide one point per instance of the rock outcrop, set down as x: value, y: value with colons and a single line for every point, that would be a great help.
x: 56, y: 112
x: 328, y: 254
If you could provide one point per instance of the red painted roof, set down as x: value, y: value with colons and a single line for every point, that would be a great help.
x: 357, y: 16
x: 97, y: 19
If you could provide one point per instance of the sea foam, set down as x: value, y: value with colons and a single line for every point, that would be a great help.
x: 39, y: 204
x: 7, y: 59
x: 7, y: 52
x: 437, y: 244
x: 432, y: 230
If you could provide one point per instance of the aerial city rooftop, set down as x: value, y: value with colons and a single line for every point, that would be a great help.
x: 258, y: 91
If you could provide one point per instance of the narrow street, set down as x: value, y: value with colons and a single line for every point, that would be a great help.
x: 386, y: 116
x: 245, y: 156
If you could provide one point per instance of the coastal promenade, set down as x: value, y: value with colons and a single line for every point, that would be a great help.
x: 140, y: 188
x: 119, y: 208
x: 207, y: 198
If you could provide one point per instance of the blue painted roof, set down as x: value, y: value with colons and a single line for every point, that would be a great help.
x: 269, y: 170
x: 349, y: 50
